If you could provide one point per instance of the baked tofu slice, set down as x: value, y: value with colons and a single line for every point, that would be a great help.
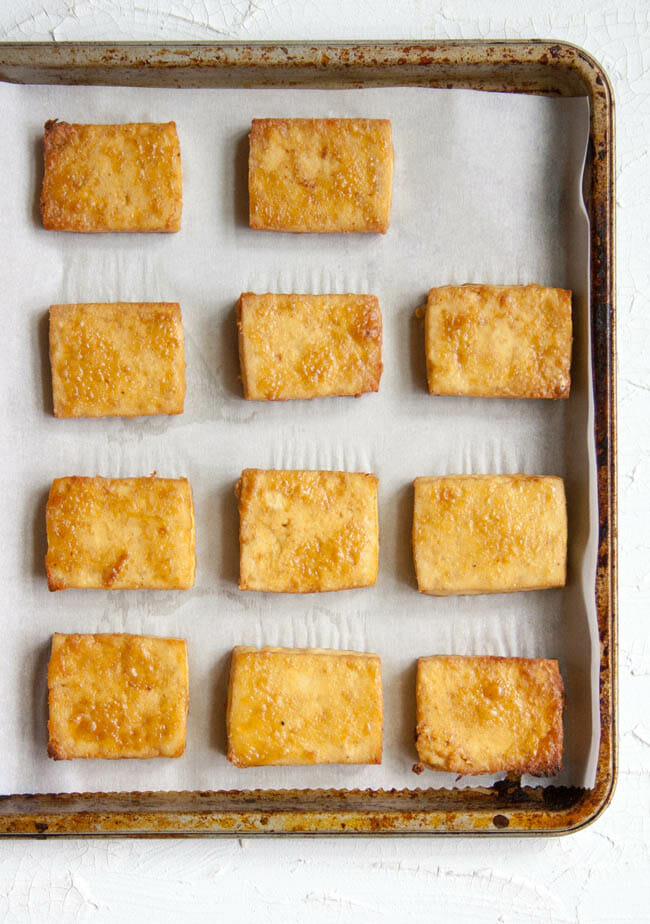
x: 486, y: 714
x: 112, y: 177
x: 320, y: 174
x: 117, y: 360
x: 307, y: 531
x: 499, y: 341
x: 481, y: 534
x: 117, y: 696
x: 304, y: 706
x: 308, y: 346
x: 120, y: 533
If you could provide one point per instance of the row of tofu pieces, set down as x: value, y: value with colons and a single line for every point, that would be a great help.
x: 310, y: 531
x: 305, y: 175
x: 127, y: 696
x: 128, y: 359
x: 318, y: 175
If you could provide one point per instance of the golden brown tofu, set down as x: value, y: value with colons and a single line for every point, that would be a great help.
x: 482, y: 534
x: 304, y: 706
x: 320, y: 174
x: 117, y: 360
x: 112, y: 177
x: 120, y: 533
x: 485, y: 714
x: 117, y: 696
x: 307, y: 531
x: 308, y: 346
x: 499, y: 341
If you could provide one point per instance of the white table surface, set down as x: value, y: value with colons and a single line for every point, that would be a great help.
x: 599, y: 874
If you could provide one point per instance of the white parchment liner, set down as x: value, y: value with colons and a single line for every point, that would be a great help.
x: 487, y: 189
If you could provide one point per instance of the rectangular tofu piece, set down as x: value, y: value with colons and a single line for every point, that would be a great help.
x: 307, y: 531
x: 308, y: 346
x: 112, y: 177
x: 320, y: 174
x: 117, y: 360
x: 486, y: 714
x: 120, y: 533
x: 304, y: 706
x: 489, y: 534
x: 499, y: 341
x: 117, y: 696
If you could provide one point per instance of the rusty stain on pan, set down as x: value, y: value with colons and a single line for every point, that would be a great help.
x: 551, y: 68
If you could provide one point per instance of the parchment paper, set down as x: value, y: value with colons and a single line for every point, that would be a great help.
x: 487, y: 188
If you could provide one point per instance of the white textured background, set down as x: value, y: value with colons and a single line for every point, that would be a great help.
x: 601, y: 874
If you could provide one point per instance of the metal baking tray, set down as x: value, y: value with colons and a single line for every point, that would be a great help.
x: 507, y: 807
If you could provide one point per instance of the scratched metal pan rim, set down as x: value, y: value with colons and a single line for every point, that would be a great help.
x: 536, y: 66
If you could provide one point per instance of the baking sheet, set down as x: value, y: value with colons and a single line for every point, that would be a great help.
x: 487, y: 188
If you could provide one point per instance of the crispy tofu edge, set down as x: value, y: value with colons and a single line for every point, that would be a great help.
x: 241, y: 343
x: 175, y: 309
x: 550, y: 766
x: 384, y: 226
x: 56, y: 751
x: 54, y: 585
x: 54, y: 127
x: 472, y: 593
x: 239, y: 650
x: 230, y: 753
x: 55, y: 315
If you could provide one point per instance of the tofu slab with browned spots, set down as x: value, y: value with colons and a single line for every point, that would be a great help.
x: 112, y: 177
x: 120, y: 533
x: 304, y: 706
x: 122, y: 359
x: 320, y: 175
x: 499, y: 341
x: 479, y: 534
x: 116, y: 696
x: 487, y: 714
x: 307, y: 531
x: 308, y: 346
